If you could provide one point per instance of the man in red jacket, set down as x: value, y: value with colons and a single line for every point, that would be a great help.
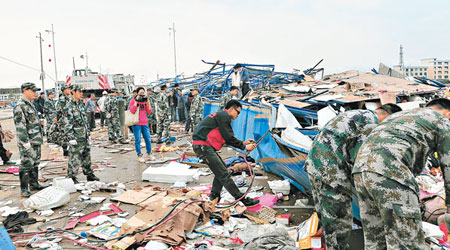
x: 209, y: 136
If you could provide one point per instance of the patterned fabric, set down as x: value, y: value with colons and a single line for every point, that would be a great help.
x: 152, y: 116
x: 196, y: 112
x: 28, y: 126
x: 334, y: 149
x: 163, y: 116
x: 329, y: 165
x: 79, y: 156
x: 390, y: 213
x: 224, y: 100
x: 399, y: 147
x: 76, y: 128
x: 335, y: 211
x: 56, y: 131
x: 49, y: 112
x: 112, y: 108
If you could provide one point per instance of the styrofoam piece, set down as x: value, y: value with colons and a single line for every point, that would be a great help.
x: 280, y: 186
x: 47, y: 198
x: 285, y: 118
x: 66, y: 183
x: 325, y: 115
x: 169, y: 173
x: 296, y: 138
x: 410, y: 105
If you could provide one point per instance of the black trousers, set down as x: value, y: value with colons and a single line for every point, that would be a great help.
x: 245, y: 89
x: 3, y: 152
x: 221, y: 176
x: 102, y: 118
x: 91, y: 120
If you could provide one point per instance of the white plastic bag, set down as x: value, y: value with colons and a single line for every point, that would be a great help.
x: 47, y: 198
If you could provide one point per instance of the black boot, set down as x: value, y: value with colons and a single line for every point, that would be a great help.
x: 24, y: 179
x: 74, y: 179
x: 34, y: 180
x: 92, y: 177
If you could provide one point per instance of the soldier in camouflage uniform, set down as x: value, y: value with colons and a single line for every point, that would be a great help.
x: 29, y: 139
x: 385, y: 169
x: 112, y: 117
x: 163, y: 116
x: 152, y: 116
x: 49, y: 111
x: 234, y: 91
x: 329, y: 166
x: 196, y: 112
x: 56, y: 133
x: 76, y: 130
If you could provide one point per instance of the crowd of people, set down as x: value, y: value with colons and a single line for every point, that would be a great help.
x: 71, y: 118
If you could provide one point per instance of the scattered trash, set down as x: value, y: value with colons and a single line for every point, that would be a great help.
x: 7, y: 210
x: 170, y: 173
x: 307, y: 231
x: 47, y: 198
x: 14, y: 222
x: 283, y: 219
x: 156, y: 245
x: 280, y: 186
x: 65, y: 183
x: 45, y: 213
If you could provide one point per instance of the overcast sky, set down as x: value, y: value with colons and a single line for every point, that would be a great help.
x: 132, y: 36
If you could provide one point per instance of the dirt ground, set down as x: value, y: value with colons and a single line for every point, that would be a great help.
x: 125, y: 169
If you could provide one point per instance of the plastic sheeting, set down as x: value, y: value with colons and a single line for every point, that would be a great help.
x: 295, y: 137
x: 285, y: 118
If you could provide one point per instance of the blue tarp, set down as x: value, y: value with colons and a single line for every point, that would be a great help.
x: 252, y: 123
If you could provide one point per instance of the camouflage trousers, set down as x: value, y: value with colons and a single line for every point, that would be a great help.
x: 335, y: 212
x: 114, y: 129
x: 390, y: 213
x: 163, y: 127
x: 29, y: 158
x: 49, y: 121
x: 195, y: 120
x: 79, y: 156
x: 54, y: 135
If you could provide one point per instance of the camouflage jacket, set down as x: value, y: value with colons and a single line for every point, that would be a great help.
x: 196, y: 106
x: 224, y: 99
x: 50, y: 109
x: 28, y: 126
x: 112, y: 107
x: 334, y: 149
x: 75, y: 122
x: 163, y: 105
x: 399, y: 147
x: 60, y: 106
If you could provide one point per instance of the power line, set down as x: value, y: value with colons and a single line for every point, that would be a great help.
x: 26, y: 66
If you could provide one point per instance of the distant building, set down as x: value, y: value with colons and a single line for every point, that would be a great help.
x: 9, y: 94
x: 431, y: 68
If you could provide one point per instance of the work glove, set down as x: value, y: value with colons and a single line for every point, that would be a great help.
x: 108, y: 115
x: 73, y: 142
x: 27, y: 145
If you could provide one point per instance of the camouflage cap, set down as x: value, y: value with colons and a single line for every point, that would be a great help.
x: 50, y: 92
x: 77, y: 87
x: 114, y: 90
x: 29, y: 85
x: 64, y: 87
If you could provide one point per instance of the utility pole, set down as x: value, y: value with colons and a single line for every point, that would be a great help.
x: 174, y: 47
x: 42, y: 64
x: 73, y: 62
x: 54, y: 59
x: 401, y: 63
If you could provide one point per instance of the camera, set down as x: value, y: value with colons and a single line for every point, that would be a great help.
x: 141, y: 98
